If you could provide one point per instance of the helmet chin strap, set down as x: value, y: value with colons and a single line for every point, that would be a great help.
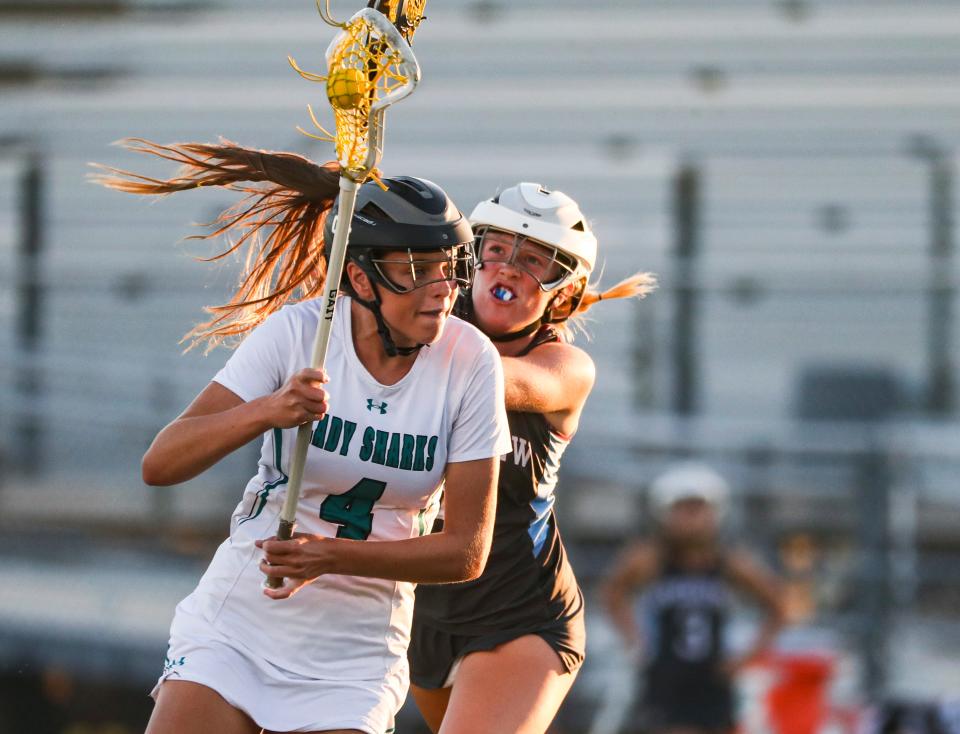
x: 519, y: 334
x: 389, y: 345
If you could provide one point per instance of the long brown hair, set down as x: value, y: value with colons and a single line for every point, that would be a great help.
x: 280, y: 221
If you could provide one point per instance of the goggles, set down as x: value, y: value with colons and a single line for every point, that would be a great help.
x: 414, y: 269
x: 550, y: 267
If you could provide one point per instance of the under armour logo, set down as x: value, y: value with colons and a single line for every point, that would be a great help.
x: 372, y: 405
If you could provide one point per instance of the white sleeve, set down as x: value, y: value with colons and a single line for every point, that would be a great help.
x: 259, y: 366
x: 480, y: 428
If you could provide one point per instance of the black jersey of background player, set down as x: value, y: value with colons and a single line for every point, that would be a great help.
x: 527, y: 579
x: 684, y: 617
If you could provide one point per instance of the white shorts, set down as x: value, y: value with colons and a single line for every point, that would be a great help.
x: 277, y: 699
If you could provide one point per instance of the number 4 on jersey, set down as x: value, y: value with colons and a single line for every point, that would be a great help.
x: 353, y: 510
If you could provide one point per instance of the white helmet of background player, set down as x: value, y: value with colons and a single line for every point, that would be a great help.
x: 550, y: 219
x: 688, y: 481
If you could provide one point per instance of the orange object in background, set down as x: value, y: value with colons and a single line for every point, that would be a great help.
x: 797, y: 700
x: 793, y: 693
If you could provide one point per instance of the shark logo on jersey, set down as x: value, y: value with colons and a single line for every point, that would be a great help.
x: 170, y: 663
x: 373, y: 405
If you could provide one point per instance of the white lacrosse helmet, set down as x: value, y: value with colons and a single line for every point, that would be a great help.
x: 689, y: 480
x: 550, y: 218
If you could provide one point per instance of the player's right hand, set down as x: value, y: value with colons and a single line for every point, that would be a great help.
x: 301, y: 399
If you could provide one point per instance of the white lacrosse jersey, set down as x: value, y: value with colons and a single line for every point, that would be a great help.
x: 374, y: 472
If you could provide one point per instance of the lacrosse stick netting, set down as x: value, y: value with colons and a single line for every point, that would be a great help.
x: 406, y: 15
x: 369, y: 67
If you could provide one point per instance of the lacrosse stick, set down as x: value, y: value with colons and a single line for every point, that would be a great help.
x: 370, y: 65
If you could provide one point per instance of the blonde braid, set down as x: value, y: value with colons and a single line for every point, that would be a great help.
x: 638, y: 285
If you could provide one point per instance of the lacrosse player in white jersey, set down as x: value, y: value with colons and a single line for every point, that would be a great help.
x: 410, y: 402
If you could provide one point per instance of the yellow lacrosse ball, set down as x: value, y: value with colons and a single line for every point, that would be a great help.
x: 344, y: 88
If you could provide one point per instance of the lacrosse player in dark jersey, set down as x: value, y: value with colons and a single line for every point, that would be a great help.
x: 688, y: 579
x: 499, y: 654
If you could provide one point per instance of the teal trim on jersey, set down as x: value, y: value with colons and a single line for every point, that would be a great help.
x: 423, y: 525
x: 260, y: 501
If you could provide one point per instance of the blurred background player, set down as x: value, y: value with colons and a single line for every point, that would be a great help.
x: 498, y: 654
x: 688, y: 575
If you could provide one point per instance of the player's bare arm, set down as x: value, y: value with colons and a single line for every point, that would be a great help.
x: 763, y: 588
x: 634, y: 569
x: 554, y: 379
x: 457, y: 553
x: 218, y: 422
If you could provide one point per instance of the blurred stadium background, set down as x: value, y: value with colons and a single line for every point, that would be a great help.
x: 788, y: 168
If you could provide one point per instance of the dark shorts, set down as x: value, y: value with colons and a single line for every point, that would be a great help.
x: 433, y: 652
x: 702, y: 701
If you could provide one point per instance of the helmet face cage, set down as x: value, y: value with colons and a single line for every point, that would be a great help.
x: 549, y: 266
x: 406, y: 270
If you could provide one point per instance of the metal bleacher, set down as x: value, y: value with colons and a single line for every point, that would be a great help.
x: 810, y: 124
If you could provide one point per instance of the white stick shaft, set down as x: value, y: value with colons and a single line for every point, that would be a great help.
x: 338, y: 252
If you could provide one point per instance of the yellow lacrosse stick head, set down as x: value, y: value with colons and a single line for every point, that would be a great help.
x: 370, y: 66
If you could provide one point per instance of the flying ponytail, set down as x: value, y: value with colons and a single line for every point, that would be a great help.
x: 280, y: 220
x: 638, y: 285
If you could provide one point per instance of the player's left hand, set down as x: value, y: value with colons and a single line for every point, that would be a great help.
x: 298, y: 561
